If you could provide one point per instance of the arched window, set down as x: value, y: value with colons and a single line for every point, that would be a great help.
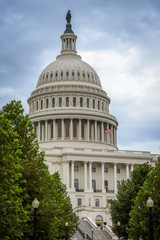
x: 74, y: 101
x: 99, y: 220
x: 73, y: 73
x: 118, y: 184
x: 67, y: 73
x: 98, y: 105
x: 93, y: 103
x: 37, y: 105
x: 41, y: 104
x: 78, y: 74
x: 102, y: 106
x: 81, y: 102
x: 94, y: 185
x: 61, y: 73
x: 76, y: 184
x: 67, y: 101
x: 87, y: 103
x: 60, y: 102
x: 53, y: 102
x: 47, y: 103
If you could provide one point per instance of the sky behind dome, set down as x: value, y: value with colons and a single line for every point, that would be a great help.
x: 118, y: 38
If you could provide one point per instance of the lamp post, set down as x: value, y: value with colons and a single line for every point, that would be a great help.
x: 150, y: 204
x: 66, y: 224
x: 118, y: 224
x: 35, y: 205
x: 92, y: 233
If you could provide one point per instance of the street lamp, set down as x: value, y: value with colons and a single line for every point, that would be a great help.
x: 35, y: 205
x: 92, y: 232
x: 66, y: 224
x: 118, y: 224
x: 150, y: 204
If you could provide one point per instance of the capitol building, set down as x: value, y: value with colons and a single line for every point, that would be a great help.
x: 70, y: 113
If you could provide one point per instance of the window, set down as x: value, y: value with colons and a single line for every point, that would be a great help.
x: 67, y: 129
x: 118, y: 170
x: 74, y: 129
x: 87, y: 102
x: 88, y: 75
x: 37, y: 105
x: 78, y: 74
x: 81, y: 102
x: 67, y: 73
x: 60, y: 102
x: 94, y: 185
x: 73, y: 73
x: 56, y: 74
x: 47, y: 76
x: 106, y: 185
x: 93, y: 102
x: 97, y: 202
x: 59, y: 130
x: 93, y: 169
x: 83, y: 74
x: 75, y: 168
x: 51, y: 75
x: 98, y: 105
x: 41, y: 104
x: 79, y: 201
x: 74, y: 101
x: 82, y: 130
x: 99, y: 220
x: 102, y: 106
x: 118, y: 184
x: 47, y: 103
x: 61, y: 73
x: 76, y: 184
x: 106, y: 170
x: 53, y: 102
x: 67, y: 101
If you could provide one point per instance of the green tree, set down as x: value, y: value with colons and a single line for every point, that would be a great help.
x: 34, y: 180
x: 139, y: 216
x: 121, y: 207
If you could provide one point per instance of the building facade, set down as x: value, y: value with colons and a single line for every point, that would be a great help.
x: 70, y: 112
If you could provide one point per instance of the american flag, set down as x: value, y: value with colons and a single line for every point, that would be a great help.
x: 107, y: 130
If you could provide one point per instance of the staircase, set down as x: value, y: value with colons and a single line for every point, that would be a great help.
x: 84, y: 231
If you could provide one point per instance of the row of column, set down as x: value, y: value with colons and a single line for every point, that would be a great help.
x: 94, y: 131
x: 69, y: 176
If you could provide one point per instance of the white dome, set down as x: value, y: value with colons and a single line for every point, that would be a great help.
x: 69, y: 68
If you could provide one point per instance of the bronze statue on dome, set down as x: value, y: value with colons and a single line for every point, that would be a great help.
x: 68, y: 16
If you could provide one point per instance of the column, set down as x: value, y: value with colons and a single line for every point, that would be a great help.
x: 102, y: 132
x: 115, y: 136
x: 90, y: 177
x: 88, y: 130
x: 71, y: 129
x: 42, y: 132
x: 54, y: 130
x: 62, y: 129
x: 79, y: 129
x: 95, y: 129
x: 46, y: 130
x: 38, y: 133
x: 72, y: 175
x: 85, y: 176
x: 115, y: 178
x: 127, y: 171
x: 102, y: 173
x: 67, y: 174
x: 132, y: 167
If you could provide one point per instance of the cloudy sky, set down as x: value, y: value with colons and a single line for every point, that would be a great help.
x: 120, y: 39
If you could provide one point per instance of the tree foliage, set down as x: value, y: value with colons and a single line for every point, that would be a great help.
x: 139, y: 216
x: 121, y: 207
x: 24, y: 176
